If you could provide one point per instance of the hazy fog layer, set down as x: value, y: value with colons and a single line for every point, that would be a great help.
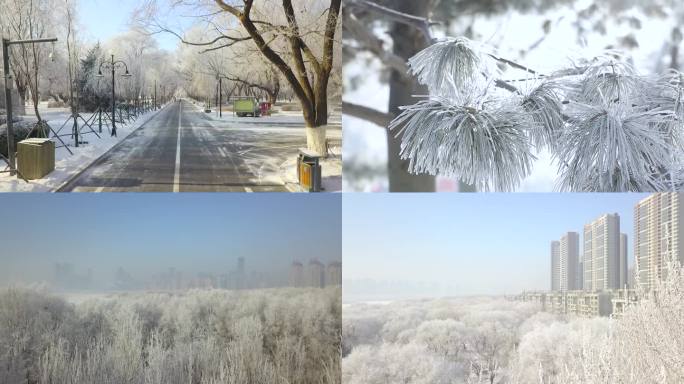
x: 408, y: 245
x: 143, y: 239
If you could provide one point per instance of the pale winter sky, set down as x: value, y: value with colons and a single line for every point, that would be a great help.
x: 104, y: 19
x: 366, y: 143
x: 149, y: 233
x: 408, y: 245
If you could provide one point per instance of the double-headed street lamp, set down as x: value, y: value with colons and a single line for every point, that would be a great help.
x: 113, y: 65
x: 6, y: 43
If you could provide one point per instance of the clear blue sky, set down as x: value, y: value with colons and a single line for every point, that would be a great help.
x: 104, y: 19
x: 475, y: 243
x: 148, y: 233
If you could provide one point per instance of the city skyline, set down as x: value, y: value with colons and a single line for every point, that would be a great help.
x: 147, y: 234
x: 507, y: 237
x: 605, y: 264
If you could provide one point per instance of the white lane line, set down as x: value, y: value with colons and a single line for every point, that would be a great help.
x: 176, y: 176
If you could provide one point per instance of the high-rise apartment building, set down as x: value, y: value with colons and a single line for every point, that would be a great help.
x: 555, y: 266
x: 624, y: 274
x: 658, y: 231
x: 333, y: 274
x: 297, y: 275
x: 569, y: 260
x: 601, y: 256
x: 315, y: 274
x: 240, y: 277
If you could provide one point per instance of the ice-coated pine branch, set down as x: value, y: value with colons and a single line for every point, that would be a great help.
x: 609, y: 78
x: 608, y: 127
x: 544, y: 105
x: 488, y: 148
x: 446, y: 66
x: 613, y: 147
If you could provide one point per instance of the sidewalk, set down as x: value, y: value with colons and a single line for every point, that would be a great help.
x: 67, y: 165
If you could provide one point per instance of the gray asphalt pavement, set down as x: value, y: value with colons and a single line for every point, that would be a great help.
x: 182, y: 149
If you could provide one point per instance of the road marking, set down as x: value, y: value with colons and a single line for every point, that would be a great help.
x: 248, y: 189
x: 230, y: 157
x: 176, y: 176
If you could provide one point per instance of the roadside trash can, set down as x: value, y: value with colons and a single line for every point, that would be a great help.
x: 309, y: 170
x: 35, y: 157
x: 265, y: 108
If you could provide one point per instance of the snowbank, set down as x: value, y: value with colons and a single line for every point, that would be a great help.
x: 331, y: 169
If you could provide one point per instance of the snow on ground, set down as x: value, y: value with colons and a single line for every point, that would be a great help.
x: 68, y: 165
x: 331, y: 169
x: 279, y: 170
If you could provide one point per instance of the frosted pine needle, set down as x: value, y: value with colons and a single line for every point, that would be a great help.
x: 446, y: 65
x: 487, y: 148
x: 545, y: 109
x: 613, y: 148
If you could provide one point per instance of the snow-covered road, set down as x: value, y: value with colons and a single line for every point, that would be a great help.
x: 183, y: 149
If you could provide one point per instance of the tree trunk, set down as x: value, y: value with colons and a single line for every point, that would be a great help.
x: 315, y: 132
x: 407, y: 42
x: 21, y: 90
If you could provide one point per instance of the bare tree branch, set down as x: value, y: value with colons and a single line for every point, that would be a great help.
x: 374, y: 116
x: 419, y: 23
x: 374, y: 45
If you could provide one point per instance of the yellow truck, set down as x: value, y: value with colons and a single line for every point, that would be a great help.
x: 247, y: 106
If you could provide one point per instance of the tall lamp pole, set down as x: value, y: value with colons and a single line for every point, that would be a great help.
x: 113, y: 65
x: 220, y: 95
x: 6, y: 43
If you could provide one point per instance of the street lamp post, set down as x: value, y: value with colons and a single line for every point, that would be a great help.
x: 6, y: 43
x: 219, y: 97
x: 155, y: 94
x: 113, y: 65
x: 220, y: 101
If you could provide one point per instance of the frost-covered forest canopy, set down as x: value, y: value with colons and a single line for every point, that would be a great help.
x: 496, y: 340
x: 215, y: 336
x: 544, y: 67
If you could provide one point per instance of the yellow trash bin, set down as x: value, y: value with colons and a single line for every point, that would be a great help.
x: 35, y: 157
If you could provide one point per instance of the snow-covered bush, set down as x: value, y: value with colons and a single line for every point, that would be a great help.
x: 262, y: 336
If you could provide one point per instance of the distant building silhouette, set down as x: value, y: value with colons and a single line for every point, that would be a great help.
x: 334, y: 274
x: 555, y: 266
x: 66, y: 277
x: 297, y: 275
x: 315, y: 274
x: 240, y: 273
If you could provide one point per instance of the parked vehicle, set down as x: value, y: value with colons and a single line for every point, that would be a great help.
x: 247, y: 106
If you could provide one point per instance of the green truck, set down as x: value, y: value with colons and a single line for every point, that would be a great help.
x: 247, y: 106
